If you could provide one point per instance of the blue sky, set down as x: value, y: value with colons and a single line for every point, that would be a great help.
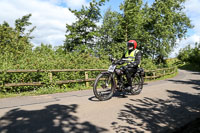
x: 50, y: 18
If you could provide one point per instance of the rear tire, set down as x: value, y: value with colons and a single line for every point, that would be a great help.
x: 104, y: 86
x: 137, y: 84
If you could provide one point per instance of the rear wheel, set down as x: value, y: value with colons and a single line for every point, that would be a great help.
x: 103, y: 86
x: 137, y: 84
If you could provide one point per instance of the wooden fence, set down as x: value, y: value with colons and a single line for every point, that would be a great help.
x: 153, y: 75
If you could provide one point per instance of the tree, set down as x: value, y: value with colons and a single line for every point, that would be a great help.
x: 167, y: 22
x: 190, y: 55
x: 15, y: 41
x: 110, y: 33
x: 21, y: 24
x: 132, y: 22
x: 83, y: 32
x: 155, y: 28
x: 135, y: 24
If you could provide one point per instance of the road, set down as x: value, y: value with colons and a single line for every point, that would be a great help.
x: 161, y: 107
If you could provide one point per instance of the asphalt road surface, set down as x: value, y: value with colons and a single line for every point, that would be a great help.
x: 160, y: 108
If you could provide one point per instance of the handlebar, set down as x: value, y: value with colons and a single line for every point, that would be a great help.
x: 120, y: 61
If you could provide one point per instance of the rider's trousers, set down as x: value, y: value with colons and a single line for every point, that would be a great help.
x: 129, y: 72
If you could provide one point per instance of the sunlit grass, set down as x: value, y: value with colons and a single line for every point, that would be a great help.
x: 162, y: 78
x: 44, y: 90
x: 190, y: 67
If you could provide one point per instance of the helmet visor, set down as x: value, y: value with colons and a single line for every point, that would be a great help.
x: 129, y: 44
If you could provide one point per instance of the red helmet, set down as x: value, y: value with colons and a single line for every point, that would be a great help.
x: 132, y: 43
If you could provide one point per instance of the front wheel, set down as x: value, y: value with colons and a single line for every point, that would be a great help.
x: 104, y: 86
x: 137, y: 84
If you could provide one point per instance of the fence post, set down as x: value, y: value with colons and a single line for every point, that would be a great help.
x: 154, y: 74
x: 86, y: 78
x: 50, y: 77
x: 164, y: 72
x: 174, y: 70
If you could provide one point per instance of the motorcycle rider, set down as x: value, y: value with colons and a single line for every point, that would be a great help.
x: 134, y: 58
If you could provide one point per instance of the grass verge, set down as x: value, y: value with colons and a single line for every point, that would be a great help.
x: 43, y: 90
x: 162, y: 78
x: 190, y: 67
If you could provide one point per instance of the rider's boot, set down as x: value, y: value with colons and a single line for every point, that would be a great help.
x: 119, y: 86
x: 128, y: 89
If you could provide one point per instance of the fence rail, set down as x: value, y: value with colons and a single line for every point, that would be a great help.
x: 154, y: 74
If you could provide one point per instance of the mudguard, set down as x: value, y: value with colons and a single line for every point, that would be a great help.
x: 106, y: 72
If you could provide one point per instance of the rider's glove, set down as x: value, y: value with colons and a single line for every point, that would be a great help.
x: 125, y: 67
x: 132, y: 64
x: 120, y: 63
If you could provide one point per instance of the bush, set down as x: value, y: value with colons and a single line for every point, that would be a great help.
x: 47, y: 58
x: 190, y: 55
x: 148, y: 64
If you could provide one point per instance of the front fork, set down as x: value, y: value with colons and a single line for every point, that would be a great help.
x: 111, y: 78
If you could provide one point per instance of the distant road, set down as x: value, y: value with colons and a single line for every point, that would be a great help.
x: 161, y: 107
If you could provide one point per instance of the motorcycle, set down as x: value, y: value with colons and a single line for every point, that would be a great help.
x: 107, y: 83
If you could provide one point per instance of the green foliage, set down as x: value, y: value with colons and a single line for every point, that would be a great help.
x: 21, y: 24
x: 190, y: 55
x: 111, y: 41
x: 148, y: 64
x: 45, y: 57
x: 184, y: 54
x: 167, y: 22
x: 14, y: 42
x: 155, y: 28
x: 84, y: 31
x: 132, y: 19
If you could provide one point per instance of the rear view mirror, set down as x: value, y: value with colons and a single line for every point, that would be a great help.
x: 110, y: 57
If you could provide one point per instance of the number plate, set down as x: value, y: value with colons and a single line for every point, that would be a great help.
x: 111, y: 68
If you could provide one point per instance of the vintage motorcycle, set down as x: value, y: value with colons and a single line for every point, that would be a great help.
x: 107, y: 83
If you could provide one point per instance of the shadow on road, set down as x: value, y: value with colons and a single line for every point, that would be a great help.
x: 158, y: 115
x: 116, y: 94
x: 196, y: 73
x: 93, y: 98
x: 53, y: 119
x: 191, y: 82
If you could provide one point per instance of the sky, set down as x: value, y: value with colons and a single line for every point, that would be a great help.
x: 51, y: 16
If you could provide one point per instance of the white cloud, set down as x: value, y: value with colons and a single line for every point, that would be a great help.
x: 193, y: 12
x: 192, y: 6
x: 184, y: 42
x: 50, y: 19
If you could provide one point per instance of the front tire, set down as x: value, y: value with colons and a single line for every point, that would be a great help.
x: 104, y: 86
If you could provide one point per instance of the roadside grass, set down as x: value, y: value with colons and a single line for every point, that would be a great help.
x: 190, y: 67
x: 162, y: 78
x: 44, y: 90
